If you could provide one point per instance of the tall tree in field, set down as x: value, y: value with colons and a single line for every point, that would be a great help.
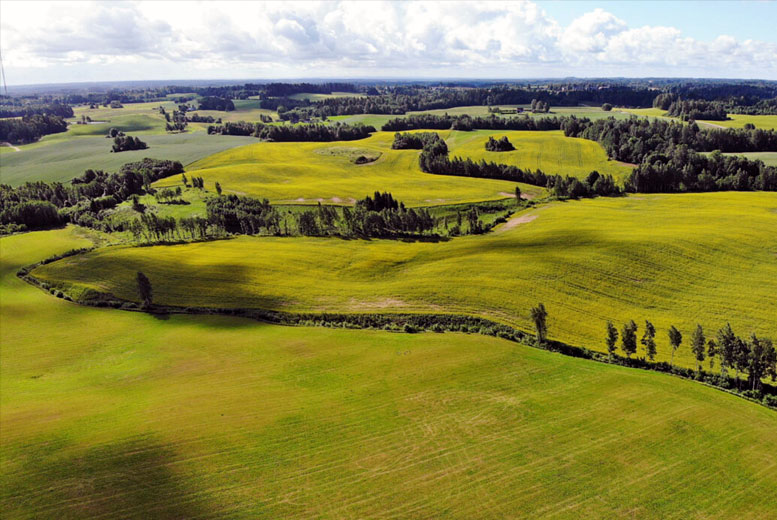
x: 727, y: 346
x: 611, y: 339
x: 762, y: 359
x: 144, y: 289
x: 184, y: 180
x: 517, y: 194
x: 649, y: 341
x: 539, y: 316
x: 629, y: 338
x: 218, y: 188
x: 698, y: 342
x: 675, y: 339
x: 712, y: 351
x: 741, y: 357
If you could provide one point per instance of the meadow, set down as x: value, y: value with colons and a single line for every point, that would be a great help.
x: 110, y: 414
x: 673, y: 259
x: 767, y: 122
x: 326, y: 172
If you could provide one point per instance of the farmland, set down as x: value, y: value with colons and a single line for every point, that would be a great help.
x: 309, y: 172
x: 211, y: 416
x: 597, y: 260
x: 288, y: 172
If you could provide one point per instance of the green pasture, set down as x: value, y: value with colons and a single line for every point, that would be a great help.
x: 768, y: 158
x: 62, y: 160
x: 320, y: 97
x: 673, y: 259
x: 550, y: 152
x: 111, y: 414
x: 311, y: 172
x: 768, y: 122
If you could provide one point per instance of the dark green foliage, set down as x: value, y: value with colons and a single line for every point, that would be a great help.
x: 30, y: 128
x: 697, y: 345
x: 144, y: 289
x: 295, y: 133
x: 539, y: 317
x: 124, y: 143
x: 675, y: 340
x: 417, y: 141
x: 245, y: 215
x: 611, y: 339
x: 691, y: 110
x: 629, y: 338
x: 607, y: 107
x: 216, y: 103
x: 649, y: 341
x: 501, y: 145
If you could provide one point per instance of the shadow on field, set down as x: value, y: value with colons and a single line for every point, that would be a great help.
x: 130, y: 479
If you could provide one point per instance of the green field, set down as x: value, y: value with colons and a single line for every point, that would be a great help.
x: 67, y: 158
x: 319, y: 97
x: 768, y: 158
x: 673, y: 259
x: 311, y: 172
x: 550, y: 152
x: 739, y: 121
x: 308, y: 172
x: 110, y: 414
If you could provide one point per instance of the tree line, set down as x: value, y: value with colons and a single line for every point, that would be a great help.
x: 292, y: 133
x: 30, y: 128
x: 223, y: 104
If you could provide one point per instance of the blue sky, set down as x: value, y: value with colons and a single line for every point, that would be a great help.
x: 701, y: 20
x: 45, y: 42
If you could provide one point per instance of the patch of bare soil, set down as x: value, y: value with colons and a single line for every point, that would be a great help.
x: 9, y: 145
x: 516, y: 221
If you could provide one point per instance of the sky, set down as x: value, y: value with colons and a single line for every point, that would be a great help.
x: 62, y: 42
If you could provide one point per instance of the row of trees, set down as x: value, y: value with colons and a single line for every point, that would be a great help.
x: 408, y: 141
x: 466, y: 123
x: 755, y: 356
x: 223, y: 104
x: 298, y: 133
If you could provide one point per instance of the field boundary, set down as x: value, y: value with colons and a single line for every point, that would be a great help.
x: 404, y: 323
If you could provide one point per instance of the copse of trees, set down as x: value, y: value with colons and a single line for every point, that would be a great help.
x: 407, y: 141
x: 38, y: 205
x: 216, y: 103
x: 693, y: 109
x: 125, y: 143
x: 56, y: 108
x: 501, y: 145
x: 466, y: 123
x: 30, y: 128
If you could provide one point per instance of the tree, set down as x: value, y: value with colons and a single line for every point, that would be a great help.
x: 629, y: 338
x: 218, y: 188
x: 539, y: 316
x: 611, y: 339
x: 712, y: 351
x: 606, y: 107
x: 144, y: 289
x: 675, y: 339
x: 649, y: 341
x: 184, y: 180
x: 698, y: 342
x: 517, y: 194
x: 727, y: 346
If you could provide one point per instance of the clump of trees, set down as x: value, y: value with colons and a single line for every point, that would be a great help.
x: 499, y: 145
x: 693, y: 109
x: 30, y: 128
x: 408, y: 141
x: 216, y: 103
x: 125, y: 143
x: 295, y: 133
x: 466, y: 123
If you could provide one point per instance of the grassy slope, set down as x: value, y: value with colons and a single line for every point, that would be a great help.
x: 550, y: 152
x: 769, y: 158
x: 286, y: 172
x: 735, y: 121
x: 198, y: 417
x: 674, y: 259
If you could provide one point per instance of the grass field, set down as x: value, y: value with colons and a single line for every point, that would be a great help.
x: 587, y: 261
x: 288, y: 172
x: 768, y: 158
x: 550, y: 152
x: 110, y: 414
x: 307, y: 172
x: 734, y: 121
x: 319, y: 97
x: 62, y: 160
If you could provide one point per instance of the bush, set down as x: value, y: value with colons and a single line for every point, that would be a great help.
x: 770, y: 400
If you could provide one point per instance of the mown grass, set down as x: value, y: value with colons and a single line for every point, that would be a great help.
x: 768, y: 158
x: 673, y: 259
x: 311, y: 172
x: 109, y: 414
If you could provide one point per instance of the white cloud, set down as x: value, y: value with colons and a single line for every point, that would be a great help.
x: 97, y: 40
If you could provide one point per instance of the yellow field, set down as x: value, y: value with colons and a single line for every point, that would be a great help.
x: 673, y: 259
x: 110, y: 414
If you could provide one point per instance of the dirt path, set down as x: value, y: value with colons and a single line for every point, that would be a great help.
x: 516, y: 221
x: 9, y: 145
